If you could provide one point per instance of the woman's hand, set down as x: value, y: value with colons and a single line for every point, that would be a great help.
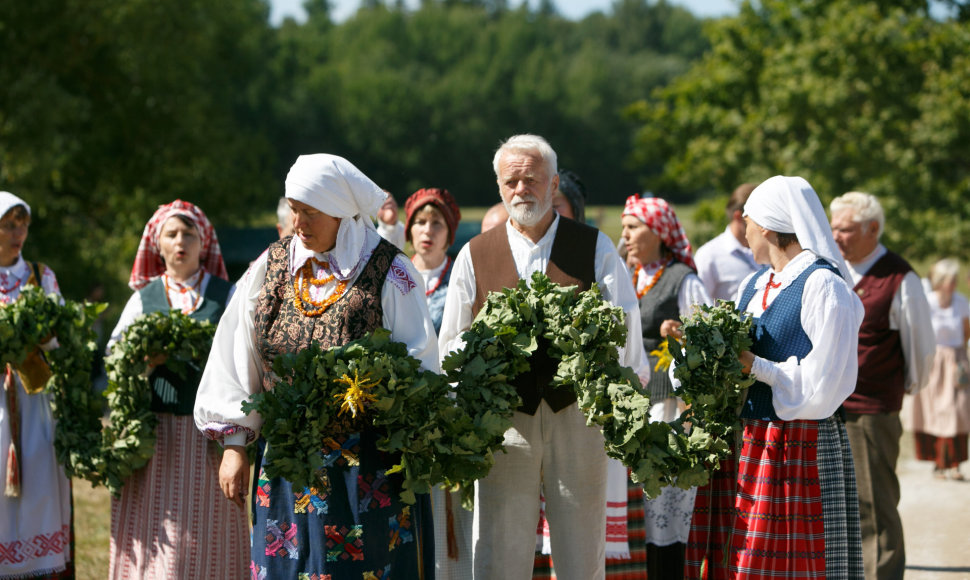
x: 747, y: 359
x: 671, y: 328
x: 234, y: 474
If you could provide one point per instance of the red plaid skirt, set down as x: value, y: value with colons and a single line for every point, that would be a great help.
x: 767, y: 511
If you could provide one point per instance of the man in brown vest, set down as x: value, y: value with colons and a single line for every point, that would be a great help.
x: 549, y: 444
x: 896, y: 347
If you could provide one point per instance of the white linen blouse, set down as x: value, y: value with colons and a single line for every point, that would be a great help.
x: 234, y: 371
x: 814, y: 387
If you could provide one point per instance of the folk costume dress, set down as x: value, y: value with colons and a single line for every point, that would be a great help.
x: 355, y: 527
x: 941, y: 409
x: 36, y: 539
x: 171, y: 519
x: 785, y: 505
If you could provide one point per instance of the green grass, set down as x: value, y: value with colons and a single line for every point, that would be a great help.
x: 92, y: 530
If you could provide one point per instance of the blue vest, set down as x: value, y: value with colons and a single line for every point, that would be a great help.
x: 436, y: 301
x: 777, y: 335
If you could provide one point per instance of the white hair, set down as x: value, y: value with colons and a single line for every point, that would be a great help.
x: 527, y: 144
x: 864, y: 207
x: 283, y: 212
x: 943, y: 271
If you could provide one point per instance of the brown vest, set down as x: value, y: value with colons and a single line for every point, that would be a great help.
x: 882, y: 367
x: 571, y: 263
x: 281, y: 328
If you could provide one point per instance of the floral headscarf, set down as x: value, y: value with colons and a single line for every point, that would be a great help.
x: 441, y: 199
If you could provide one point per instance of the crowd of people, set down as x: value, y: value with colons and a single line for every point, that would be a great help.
x: 842, y: 330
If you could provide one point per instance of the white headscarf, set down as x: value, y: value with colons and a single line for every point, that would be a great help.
x: 789, y: 205
x: 8, y: 201
x: 334, y: 186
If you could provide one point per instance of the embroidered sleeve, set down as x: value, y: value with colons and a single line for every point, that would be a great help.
x: 399, y: 275
x: 223, y: 431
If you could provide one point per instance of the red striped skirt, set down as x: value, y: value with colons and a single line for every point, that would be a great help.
x: 766, y: 510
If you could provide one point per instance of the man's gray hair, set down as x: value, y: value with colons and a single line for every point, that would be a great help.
x: 865, y: 208
x: 283, y: 212
x: 528, y: 144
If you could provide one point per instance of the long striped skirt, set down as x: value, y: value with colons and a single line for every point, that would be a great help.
x: 787, y: 508
x: 353, y: 526
x: 172, y: 520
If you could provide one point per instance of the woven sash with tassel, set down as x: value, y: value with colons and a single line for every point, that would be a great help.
x: 12, y: 485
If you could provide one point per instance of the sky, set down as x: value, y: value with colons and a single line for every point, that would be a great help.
x: 574, y: 9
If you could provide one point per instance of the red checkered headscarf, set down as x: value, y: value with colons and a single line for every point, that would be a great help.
x: 661, y: 219
x: 148, y: 260
x: 442, y: 200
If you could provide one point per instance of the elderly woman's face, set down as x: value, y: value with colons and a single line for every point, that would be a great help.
x: 13, y: 234
x: 317, y: 231
x: 180, y: 246
x: 641, y: 243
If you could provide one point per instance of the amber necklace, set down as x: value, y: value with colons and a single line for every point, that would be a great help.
x: 301, y: 289
x: 183, y: 290
x: 653, y: 281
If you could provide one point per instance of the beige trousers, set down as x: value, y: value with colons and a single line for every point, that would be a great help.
x: 560, y: 453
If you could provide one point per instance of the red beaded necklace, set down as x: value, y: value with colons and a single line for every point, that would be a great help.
x: 182, y: 290
x: 770, y: 285
x: 431, y: 290
x: 9, y: 289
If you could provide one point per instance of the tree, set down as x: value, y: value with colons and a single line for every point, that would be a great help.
x: 868, y: 96
x: 111, y: 107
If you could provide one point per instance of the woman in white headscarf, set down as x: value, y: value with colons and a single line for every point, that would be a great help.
x: 35, y: 506
x: 786, y: 504
x: 332, y: 282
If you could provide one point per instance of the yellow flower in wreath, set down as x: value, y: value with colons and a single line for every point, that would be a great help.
x: 356, y: 395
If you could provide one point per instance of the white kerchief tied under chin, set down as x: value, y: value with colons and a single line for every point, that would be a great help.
x: 9, y: 201
x: 789, y: 205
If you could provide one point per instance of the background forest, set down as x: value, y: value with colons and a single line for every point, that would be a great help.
x: 111, y: 107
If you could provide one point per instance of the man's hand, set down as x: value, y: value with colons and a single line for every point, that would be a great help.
x: 234, y: 474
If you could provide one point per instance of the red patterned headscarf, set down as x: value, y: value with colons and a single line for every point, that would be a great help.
x: 442, y: 200
x: 661, y: 219
x: 148, y: 260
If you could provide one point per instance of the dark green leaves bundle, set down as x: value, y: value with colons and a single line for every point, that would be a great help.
x: 584, y: 331
x: 710, y: 373
x: 33, y: 319
x: 433, y: 439
x: 129, y: 438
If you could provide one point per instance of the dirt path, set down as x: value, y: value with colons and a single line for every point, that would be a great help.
x: 936, y: 519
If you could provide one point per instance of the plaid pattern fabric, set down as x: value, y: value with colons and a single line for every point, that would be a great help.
x: 840, y: 502
x: 777, y: 528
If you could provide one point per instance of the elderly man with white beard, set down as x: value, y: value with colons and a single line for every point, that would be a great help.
x: 549, y: 444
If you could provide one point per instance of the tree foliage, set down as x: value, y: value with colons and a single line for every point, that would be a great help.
x: 112, y: 107
x: 865, y: 96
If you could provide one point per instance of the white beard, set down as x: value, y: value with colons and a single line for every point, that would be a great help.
x: 529, y: 215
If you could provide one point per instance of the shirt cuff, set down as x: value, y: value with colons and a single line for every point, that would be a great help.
x: 238, y: 438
